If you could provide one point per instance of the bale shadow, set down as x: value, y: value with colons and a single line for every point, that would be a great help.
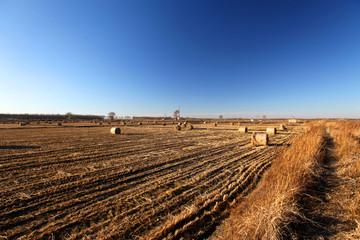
x: 278, y: 144
x: 18, y: 147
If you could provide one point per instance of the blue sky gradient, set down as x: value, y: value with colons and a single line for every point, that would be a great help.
x: 139, y: 57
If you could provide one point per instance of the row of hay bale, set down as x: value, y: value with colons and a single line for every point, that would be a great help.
x: 117, y: 130
x: 261, y: 138
x: 123, y: 123
x: 270, y: 131
x: 22, y: 124
x: 187, y: 126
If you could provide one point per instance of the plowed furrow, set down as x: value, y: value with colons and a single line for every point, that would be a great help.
x: 207, y: 211
x: 182, y: 199
x: 99, y: 155
x: 83, y: 176
x: 112, y: 193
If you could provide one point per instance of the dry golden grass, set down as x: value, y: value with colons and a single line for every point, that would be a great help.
x: 347, y: 194
x: 267, y: 212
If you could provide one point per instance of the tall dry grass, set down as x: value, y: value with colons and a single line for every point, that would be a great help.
x: 270, y: 209
x: 346, y: 196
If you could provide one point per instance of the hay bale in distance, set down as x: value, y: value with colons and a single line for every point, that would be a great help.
x: 292, y: 120
x: 140, y: 123
x: 243, y: 129
x: 59, y: 123
x: 231, y: 124
x: 164, y: 124
x: 259, y: 139
x: 22, y: 124
x: 100, y: 123
x: 115, y: 130
x: 271, y: 131
x: 189, y: 127
x: 177, y: 128
x: 214, y: 124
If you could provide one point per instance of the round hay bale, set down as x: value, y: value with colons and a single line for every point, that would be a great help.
x: 177, y: 128
x: 140, y: 123
x: 259, y: 139
x: 282, y: 127
x: 22, y: 124
x: 239, y: 124
x: 100, y: 123
x: 115, y: 130
x: 271, y: 131
x: 189, y: 127
x: 214, y: 124
x: 59, y: 123
x: 231, y: 124
x: 292, y: 121
x: 243, y: 129
x: 184, y: 125
x: 164, y: 124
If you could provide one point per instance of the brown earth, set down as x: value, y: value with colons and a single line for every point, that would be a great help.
x: 78, y: 181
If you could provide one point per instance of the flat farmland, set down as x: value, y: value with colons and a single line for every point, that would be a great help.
x: 78, y: 181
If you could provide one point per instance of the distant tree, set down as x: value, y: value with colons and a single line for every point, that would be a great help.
x: 68, y: 115
x: 111, y: 115
x: 220, y: 117
x: 177, y: 114
x: 264, y: 116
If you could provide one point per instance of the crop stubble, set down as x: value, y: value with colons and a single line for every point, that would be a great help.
x: 148, y: 183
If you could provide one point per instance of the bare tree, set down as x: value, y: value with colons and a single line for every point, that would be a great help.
x: 220, y: 117
x: 68, y: 115
x: 111, y: 115
x: 177, y: 114
x: 264, y: 116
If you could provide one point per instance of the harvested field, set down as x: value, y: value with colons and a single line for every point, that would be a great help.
x: 309, y: 192
x: 79, y: 181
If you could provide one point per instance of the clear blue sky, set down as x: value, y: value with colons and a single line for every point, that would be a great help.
x: 141, y: 57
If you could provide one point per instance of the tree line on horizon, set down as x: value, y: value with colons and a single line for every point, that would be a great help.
x: 56, y: 117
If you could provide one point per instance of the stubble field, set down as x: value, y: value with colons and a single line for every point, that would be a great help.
x: 77, y: 181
